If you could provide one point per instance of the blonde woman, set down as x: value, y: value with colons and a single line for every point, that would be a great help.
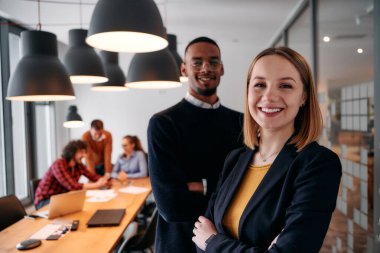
x: 282, y: 185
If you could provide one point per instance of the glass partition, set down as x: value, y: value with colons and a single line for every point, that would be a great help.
x: 345, y: 92
x: 299, y: 35
x: 2, y: 154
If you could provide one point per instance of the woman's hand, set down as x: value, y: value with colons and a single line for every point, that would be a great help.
x: 122, y: 176
x: 203, y: 229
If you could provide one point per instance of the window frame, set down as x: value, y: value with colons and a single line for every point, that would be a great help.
x: 5, y: 30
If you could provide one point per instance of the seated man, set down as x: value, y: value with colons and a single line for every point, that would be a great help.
x: 64, y: 173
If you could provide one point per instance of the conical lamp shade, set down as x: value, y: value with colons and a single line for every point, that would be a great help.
x: 81, y: 60
x: 127, y: 26
x: 116, y: 77
x: 155, y: 70
x: 39, y: 75
x: 173, y: 49
x: 73, y: 119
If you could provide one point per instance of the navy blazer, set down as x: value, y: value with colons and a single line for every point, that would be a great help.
x: 295, y: 200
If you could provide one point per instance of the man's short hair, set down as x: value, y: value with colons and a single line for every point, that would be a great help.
x: 71, y: 148
x: 202, y: 39
x: 97, y: 124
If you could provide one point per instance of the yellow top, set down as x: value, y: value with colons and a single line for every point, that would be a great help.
x: 252, y: 178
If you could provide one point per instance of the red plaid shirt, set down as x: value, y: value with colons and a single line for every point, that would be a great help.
x: 61, y: 178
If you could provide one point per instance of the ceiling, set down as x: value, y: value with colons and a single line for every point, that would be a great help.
x: 241, y: 27
x: 227, y: 21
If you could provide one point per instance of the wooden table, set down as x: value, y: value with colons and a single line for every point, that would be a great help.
x: 99, y: 239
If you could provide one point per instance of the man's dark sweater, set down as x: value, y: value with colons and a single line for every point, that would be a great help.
x: 187, y: 144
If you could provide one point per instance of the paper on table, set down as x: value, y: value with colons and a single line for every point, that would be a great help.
x: 133, y: 189
x: 102, y: 197
x: 96, y: 193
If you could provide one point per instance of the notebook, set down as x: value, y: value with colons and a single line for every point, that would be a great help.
x: 106, y: 217
x: 64, y: 203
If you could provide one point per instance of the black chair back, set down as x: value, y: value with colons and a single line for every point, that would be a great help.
x: 11, y: 211
x: 33, y: 184
x: 144, y: 240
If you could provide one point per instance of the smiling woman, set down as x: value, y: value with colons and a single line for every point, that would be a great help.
x: 278, y: 193
x: 275, y: 93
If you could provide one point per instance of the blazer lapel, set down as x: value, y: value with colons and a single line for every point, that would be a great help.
x: 278, y: 169
x: 232, y: 182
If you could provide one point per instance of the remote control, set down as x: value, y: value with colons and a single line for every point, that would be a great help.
x: 74, y: 225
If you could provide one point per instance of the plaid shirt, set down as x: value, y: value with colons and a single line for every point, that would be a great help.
x: 61, y: 178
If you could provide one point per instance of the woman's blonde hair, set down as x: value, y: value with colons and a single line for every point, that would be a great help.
x: 308, y: 123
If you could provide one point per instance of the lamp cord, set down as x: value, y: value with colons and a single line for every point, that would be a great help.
x: 166, y: 16
x: 38, y: 27
x: 80, y: 13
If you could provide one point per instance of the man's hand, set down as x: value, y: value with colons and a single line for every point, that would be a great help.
x: 103, y: 181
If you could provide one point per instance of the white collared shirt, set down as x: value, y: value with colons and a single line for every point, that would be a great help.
x: 199, y: 103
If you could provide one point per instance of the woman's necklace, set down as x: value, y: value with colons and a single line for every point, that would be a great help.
x: 264, y: 159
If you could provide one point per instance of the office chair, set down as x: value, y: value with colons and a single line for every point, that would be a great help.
x: 146, y: 213
x: 143, y: 240
x: 11, y: 211
x: 33, y: 184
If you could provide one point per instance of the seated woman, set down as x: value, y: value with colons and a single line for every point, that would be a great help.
x: 64, y: 173
x: 132, y: 162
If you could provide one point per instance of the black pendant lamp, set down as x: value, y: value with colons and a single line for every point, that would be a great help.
x: 173, y: 49
x: 116, y: 77
x: 127, y: 26
x: 73, y: 119
x: 39, y: 75
x: 155, y: 70
x: 81, y: 60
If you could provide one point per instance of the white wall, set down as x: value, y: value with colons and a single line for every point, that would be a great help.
x: 129, y: 112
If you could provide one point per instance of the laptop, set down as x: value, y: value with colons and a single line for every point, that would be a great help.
x: 106, y: 218
x: 65, y: 203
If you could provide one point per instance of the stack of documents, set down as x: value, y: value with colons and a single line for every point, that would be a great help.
x: 100, y: 195
x: 133, y: 189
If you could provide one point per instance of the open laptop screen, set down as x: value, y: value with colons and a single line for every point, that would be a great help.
x: 65, y: 203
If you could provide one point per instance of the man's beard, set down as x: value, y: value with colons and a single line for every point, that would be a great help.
x: 206, y: 92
